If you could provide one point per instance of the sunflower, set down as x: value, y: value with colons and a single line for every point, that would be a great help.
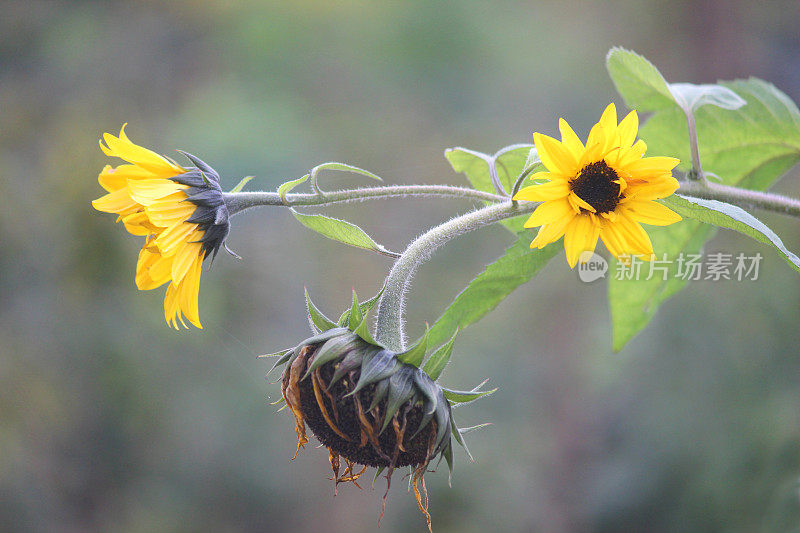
x: 604, y: 189
x: 179, y: 211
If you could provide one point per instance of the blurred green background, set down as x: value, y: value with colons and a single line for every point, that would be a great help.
x: 109, y: 421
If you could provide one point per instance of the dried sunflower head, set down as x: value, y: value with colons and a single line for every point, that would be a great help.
x: 369, y: 405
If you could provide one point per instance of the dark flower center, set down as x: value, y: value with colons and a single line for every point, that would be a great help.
x: 595, y: 185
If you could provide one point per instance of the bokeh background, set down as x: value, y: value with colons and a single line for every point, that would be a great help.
x: 109, y: 421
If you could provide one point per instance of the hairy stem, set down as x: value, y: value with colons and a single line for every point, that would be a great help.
x: 239, y: 201
x: 744, y: 198
x: 390, y: 327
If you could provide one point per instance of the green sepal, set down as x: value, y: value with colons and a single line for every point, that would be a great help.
x: 460, y: 439
x: 414, y: 355
x: 382, y: 365
x: 401, y: 389
x: 378, y: 472
x: 363, y: 332
x: 350, y: 362
x: 325, y: 335
x: 365, y: 307
x: 332, y: 350
x: 447, y: 453
x: 355, y: 317
x: 436, y: 362
x: 428, y: 389
x: 242, y: 183
x: 281, y: 360
x: 443, y: 422
x: 380, y: 393
x: 284, y: 189
x: 319, y: 320
x: 276, y: 354
x: 284, y: 357
x: 457, y: 396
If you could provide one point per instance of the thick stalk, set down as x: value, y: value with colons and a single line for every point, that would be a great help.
x: 744, y: 198
x: 389, y: 326
x: 239, y: 201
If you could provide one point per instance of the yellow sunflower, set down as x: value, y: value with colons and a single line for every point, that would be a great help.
x: 180, y: 212
x: 605, y: 189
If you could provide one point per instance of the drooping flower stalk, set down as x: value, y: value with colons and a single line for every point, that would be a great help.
x: 389, y: 326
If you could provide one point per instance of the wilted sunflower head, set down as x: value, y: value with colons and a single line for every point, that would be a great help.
x: 367, y: 404
x: 179, y: 210
x: 604, y: 189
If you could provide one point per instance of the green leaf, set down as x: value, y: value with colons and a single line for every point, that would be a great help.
x: 322, y: 322
x: 634, y: 302
x: 517, y: 265
x: 638, y: 81
x: 415, y: 354
x: 691, y: 97
x: 508, y: 162
x: 750, y: 147
x: 342, y: 167
x: 241, y: 184
x: 289, y: 185
x: 340, y: 230
x: 732, y: 217
x: 436, y: 362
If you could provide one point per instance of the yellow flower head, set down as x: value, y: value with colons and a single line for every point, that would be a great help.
x: 605, y: 189
x: 180, y: 212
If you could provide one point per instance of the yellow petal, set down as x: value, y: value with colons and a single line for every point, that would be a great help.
x: 651, y: 165
x: 152, y: 270
x: 119, y: 201
x: 147, y: 191
x: 554, y: 155
x: 168, y: 241
x: 580, y: 236
x: 189, y: 290
x: 635, y: 235
x: 123, y: 148
x: 111, y: 180
x: 138, y: 224
x: 551, y: 232
x: 172, y: 307
x: 579, y: 203
x: 552, y: 190
x: 184, y: 259
x: 655, y: 188
x: 570, y: 139
x: 650, y: 212
x: 170, y: 210
x: 627, y: 129
x: 549, y: 212
x: 614, y: 240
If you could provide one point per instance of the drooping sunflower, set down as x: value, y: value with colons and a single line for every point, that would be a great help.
x: 602, y: 189
x: 179, y: 211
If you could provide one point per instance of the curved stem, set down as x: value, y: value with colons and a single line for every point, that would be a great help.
x: 239, y: 201
x: 741, y: 197
x: 390, y: 327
